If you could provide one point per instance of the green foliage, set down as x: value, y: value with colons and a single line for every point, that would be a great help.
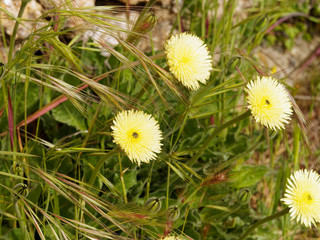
x: 300, y: 23
x: 68, y: 114
x: 82, y: 186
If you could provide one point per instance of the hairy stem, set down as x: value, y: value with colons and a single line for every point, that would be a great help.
x: 22, y: 222
x: 122, y: 181
x: 168, y: 186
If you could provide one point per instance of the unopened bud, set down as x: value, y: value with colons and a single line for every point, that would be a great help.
x: 20, y: 189
x: 244, y: 196
x: 18, y: 170
x: 146, y: 24
x: 142, y: 26
x: 173, y: 213
x: 153, y: 205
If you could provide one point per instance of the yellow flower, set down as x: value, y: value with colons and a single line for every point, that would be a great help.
x: 269, y: 102
x: 138, y: 134
x: 188, y: 59
x: 303, y: 196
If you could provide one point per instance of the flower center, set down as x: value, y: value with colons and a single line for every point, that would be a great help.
x: 185, y: 59
x: 307, y: 198
x: 135, y: 135
x: 265, y: 103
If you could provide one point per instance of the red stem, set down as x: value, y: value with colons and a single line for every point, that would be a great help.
x: 281, y: 20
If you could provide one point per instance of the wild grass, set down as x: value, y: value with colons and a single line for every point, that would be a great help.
x: 63, y: 177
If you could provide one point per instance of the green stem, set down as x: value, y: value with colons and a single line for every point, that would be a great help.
x: 178, y: 15
x: 99, y: 165
x: 262, y: 221
x: 168, y: 186
x: 296, y: 147
x: 149, y: 182
x: 185, y: 218
x: 21, y: 220
x: 15, y: 29
x: 122, y: 181
x: 78, y: 212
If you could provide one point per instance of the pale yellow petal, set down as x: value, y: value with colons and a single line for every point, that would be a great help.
x: 269, y: 102
x: 188, y: 59
x: 303, y: 197
x: 138, y: 134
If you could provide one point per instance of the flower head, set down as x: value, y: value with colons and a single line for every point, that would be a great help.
x: 269, y: 102
x: 138, y: 134
x: 188, y: 59
x: 303, y: 196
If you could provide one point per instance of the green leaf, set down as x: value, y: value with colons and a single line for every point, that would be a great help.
x: 291, y: 31
x: 247, y: 175
x: 68, y: 114
x: 289, y: 43
x: 14, y: 234
x: 17, y: 154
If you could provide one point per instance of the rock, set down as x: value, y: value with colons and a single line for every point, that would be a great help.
x: 58, y: 3
x: 72, y: 21
x: 109, y: 38
x: 32, y: 11
x: 285, y: 62
x: 84, y: 3
x: 133, y: 2
x: 161, y: 31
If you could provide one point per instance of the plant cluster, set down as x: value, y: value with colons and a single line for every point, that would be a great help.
x: 192, y: 141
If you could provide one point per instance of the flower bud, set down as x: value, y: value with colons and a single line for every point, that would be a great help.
x: 146, y: 24
x: 173, y: 213
x: 244, y: 196
x: 18, y: 170
x: 153, y: 205
x: 20, y: 189
x: 142, y: 26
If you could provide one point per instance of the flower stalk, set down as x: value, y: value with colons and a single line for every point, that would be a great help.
x: 122, y: 181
